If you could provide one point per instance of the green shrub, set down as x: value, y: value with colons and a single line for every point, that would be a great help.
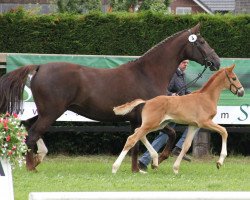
x: 116, y: 33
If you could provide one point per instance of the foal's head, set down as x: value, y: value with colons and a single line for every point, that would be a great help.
x: 232, y: 82
x: 198, y: 49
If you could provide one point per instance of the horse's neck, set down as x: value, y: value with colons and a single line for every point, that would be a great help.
x: 214, y: 87
x: 161, y: 63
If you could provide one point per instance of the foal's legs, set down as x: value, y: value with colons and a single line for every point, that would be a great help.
x: 185, y: 147
x: 223, y: 132
x: 152, y: 152
x: 170, y: 143
x: 131, y: 141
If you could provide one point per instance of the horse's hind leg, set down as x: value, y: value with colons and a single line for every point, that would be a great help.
x: 29, y: 122
x: 42, y: 149
x: 34, y: 134
x: 41, y: 152
x: 135, y: 148
x: 134, y: 157
x: 170, y: 143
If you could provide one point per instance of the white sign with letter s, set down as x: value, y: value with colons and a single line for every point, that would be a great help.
x: 225, y: 114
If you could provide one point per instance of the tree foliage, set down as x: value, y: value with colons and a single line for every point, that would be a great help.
x: 139, y: 5
x: 78, y: 6
x: 83, y: 6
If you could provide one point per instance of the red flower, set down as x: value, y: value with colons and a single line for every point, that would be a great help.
x: 9, y: 153
x: 15, y: 115
x: 14, y: 148
x: 8, y: 138
x: 5, y: 124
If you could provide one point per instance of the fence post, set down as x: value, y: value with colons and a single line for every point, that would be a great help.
x: 201, y: 144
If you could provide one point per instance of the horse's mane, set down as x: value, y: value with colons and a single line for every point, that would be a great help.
x: 171, y: 37
x: 211, y: 79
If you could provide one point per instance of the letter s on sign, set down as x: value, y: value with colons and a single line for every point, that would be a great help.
x: 244, y: 112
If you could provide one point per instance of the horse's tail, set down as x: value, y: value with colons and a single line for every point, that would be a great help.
x: 127, y: 107
x: 12, y: 87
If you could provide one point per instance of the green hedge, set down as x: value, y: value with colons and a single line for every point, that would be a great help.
x: 117, y: 33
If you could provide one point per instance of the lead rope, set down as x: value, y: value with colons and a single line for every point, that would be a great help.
x: 188, y: 85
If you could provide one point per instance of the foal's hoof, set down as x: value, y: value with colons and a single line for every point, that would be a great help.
x: 176, y: 169
x: 154, y: 167
x: 114, y: 169
x: 218, y: 165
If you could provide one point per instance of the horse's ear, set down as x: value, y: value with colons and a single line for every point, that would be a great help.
x: 231, y: 67
x: 196, y: 28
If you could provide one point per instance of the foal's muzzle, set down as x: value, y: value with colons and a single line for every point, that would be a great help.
x: 240, y: 92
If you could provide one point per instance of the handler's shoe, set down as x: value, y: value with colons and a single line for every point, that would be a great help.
x: 142, y: 166
x: 176, y: 151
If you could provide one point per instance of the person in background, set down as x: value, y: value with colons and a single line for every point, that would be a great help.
x: 177, y: 86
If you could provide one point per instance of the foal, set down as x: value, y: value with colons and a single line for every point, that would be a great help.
x: 196, y: 109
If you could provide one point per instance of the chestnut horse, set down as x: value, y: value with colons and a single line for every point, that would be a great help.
x: 196, y: 109
x: 92, y: 92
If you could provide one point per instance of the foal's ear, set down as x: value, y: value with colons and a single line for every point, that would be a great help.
x: 196, y: 28
x: 231, y: 67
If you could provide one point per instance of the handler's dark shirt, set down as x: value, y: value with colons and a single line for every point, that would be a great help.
x: 178, y: 82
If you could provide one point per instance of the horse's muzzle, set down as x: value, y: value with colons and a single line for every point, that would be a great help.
x: 240, y: 92
x: 213, y: 66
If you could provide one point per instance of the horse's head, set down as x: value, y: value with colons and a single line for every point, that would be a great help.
x: 198, y: 49
x: 233, y: 83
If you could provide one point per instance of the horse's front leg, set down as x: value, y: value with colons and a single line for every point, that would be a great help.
x: 170, y: 143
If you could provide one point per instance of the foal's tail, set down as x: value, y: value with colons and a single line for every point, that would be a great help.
x: 127, y: 107
x: 12, y: 87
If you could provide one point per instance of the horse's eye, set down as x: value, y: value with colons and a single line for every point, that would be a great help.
x: 234, y: 78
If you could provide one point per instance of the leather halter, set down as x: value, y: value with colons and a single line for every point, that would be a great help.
x: 205, y: 56
x: 232, y: 85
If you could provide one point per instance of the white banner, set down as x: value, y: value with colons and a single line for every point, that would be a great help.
x: 29, y: 110
x: 233, y: 114
x: 225, y: 114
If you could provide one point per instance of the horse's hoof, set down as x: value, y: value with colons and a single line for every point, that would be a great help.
x: 37, y: 161
x: 135, y: 169
x: 218, y: 165
x: 31, y: 169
